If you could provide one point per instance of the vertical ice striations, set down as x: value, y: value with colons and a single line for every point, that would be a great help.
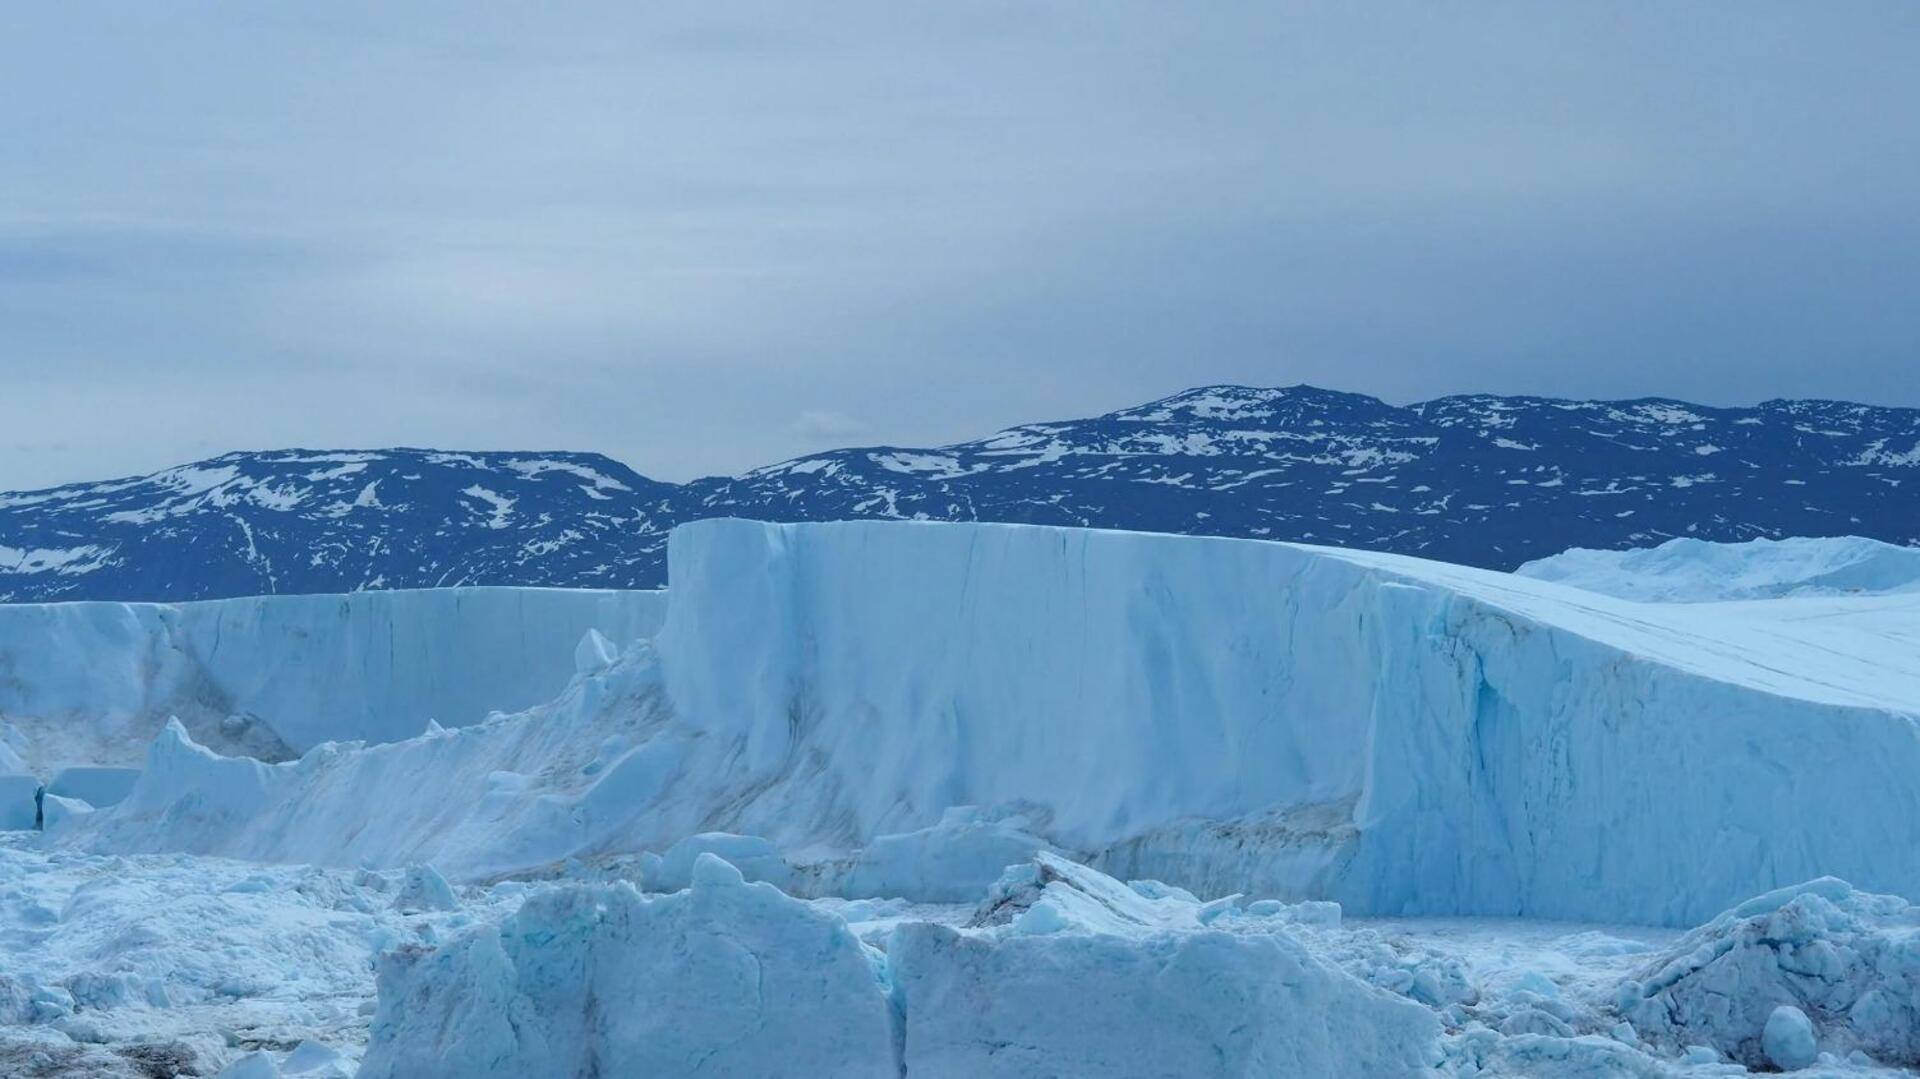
x: 1400, y: 735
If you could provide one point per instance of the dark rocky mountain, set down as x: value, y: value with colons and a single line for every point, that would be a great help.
x: 1485, y: 480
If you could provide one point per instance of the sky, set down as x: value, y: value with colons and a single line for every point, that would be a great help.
x: 705, y: 237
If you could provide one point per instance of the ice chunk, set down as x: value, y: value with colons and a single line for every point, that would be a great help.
x: 1788, y: 1039
x: 19, y: 802
x: 753, y: 857
x: 258, y: 1064
x: 1846, y: 962
x: 725, y: 978
x: 57, y: 813
x: 424, y: 889
x: 1092, y: 978
x: 1053, y: 894
x: 594, y: 653
x: 955, y: 861
x: 316, y: 1060
x: 98, y: 786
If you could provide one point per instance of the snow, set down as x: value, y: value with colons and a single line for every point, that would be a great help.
x: 500, y: 507
x: 83, y: 559
x: 1688, y: 570
x: 93, y: 683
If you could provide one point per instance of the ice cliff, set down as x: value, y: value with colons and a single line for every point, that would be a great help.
x: 1226, y: 715
x: 274, y: 675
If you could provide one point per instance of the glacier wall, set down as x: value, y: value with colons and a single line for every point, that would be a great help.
x: 1227, y: 715
x: 1400, y: 735
x: 276, y: 675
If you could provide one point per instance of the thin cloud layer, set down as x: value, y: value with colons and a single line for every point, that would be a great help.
x: 702, y: 238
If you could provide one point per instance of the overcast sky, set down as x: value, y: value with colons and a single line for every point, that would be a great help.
x: 709, y: 236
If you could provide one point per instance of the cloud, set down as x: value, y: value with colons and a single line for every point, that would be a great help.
x: 653, y: 230
x: 820, y: 425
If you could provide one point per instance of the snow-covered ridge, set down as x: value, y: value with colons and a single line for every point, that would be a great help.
x: 1690, y: 570
x: 1482, y: 480
x: 1402, y: 736
x: 274, y: 675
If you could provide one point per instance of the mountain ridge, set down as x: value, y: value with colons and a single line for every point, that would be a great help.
x: 1482, y: 479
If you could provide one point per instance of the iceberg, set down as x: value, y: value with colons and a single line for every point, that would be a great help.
x: 1091, y: 978
x: 755, y: 859
x: 1817, y: 966
x: 724, y: 978
x: 1687, y: 570
x: 953, y: 861
x: 19, y: 802
x: 96, y: 785
x: 1396, y: 735
x: 273, y: 676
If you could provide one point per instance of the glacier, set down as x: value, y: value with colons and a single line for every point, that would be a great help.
x: 1399, y: 736
x: 274, y: 676
x: 1688, y: 570
x: 926, y: 798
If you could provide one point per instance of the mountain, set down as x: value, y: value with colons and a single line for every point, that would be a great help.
x: 1483, y: 480
x: 293, y: 521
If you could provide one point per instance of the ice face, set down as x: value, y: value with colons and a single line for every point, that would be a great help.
x: 272, y: 676
x: 1397, y: 735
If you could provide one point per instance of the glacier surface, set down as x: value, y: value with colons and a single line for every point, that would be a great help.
x: 1691, y: 570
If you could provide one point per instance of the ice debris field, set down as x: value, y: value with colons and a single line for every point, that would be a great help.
x: 959, y: 800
